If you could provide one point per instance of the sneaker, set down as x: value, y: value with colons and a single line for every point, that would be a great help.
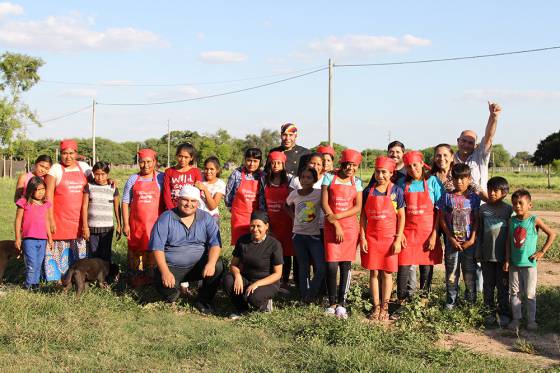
x: 514, y: 325
x: 269, y: 306
x: 341, y: 313
x: 532, y: 326
x: 449, y: 306
x: 234, y: 316
x: 330, y: 311
x: 204, y: 308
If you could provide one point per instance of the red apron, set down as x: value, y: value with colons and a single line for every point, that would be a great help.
x: 244, y: 203
x: 342, y: 198
x: 145, y: 208
x: 380, y: 232
x: 418, y: 227
x: 68, y: 196
x: 280, y: 222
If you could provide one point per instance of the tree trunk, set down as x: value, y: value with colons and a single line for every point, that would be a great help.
x: 11, y: 165
x: 548, y: 176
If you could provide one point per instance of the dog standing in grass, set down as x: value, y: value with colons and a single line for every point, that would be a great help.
x: 7, y: 251
x: 90, y: 270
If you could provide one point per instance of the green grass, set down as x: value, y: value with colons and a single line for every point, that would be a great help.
x: 125, y: 330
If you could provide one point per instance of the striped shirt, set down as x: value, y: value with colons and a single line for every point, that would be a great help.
x: 100, y: 207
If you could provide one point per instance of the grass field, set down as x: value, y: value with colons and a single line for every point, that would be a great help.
x: 126, y: 330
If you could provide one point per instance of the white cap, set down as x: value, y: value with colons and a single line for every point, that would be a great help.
x: 190, y: 192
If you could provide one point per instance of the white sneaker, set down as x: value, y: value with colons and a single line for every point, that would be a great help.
x: 234, y: 316
x: 330, y: 311
x: 269, y: 306
x: 341, y: 313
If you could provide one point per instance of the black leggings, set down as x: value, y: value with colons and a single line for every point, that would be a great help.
x: 287, y: 267
x: 258, y: 298
x: 338, y: 297
x: 426, y: 274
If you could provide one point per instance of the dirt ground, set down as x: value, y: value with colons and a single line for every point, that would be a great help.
x: 549, y: 216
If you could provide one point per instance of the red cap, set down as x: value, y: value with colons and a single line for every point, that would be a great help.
x: 351, y: 155
x: 326, y: 149
x: 413, y: 156
x: 147, y: 153
x: 68, y: 144
x: 277, y: 156
x: 386, y: 163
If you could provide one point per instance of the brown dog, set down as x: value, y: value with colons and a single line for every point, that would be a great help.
x: 7, y: 251
x: 90, y: 270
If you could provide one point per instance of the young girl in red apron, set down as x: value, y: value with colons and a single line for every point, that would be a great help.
x: 382, y: 225
x: 142, y: 204
x: 341, y: 200
x: 420, y: 245
x: 276, y: 189
x: 244, y: 193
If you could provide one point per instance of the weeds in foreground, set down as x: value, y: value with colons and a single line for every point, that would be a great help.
x: 523, y: 345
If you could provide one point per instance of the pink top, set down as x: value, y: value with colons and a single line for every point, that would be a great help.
x: 34, y: 219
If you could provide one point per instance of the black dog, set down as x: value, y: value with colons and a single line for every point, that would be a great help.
x: 7, y: 251
x: 90, y: 270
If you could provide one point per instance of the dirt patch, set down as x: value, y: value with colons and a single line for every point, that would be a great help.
x: 504, y: 343
x: 544, y: 195
x: 548, y: 274
x: 551, y: 216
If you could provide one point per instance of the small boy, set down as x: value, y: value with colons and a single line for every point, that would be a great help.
x: 522, y: 257
x: 491, y: 249
x: 458, y: 218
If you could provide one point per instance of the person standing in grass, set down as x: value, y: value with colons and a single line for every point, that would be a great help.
x: 522, y: 256
x: 458, y: 217
x: 308, y: 243
x: 41, y: 168
x: 341, y: 199
x: 212, y: 189
x: 381, y: 233
x: 100, y: 204
x: 32, y: 229
x: 183, y: 173
x: 295, y: 154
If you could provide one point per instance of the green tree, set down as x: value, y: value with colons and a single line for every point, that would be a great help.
x: 521, y: 158
x: 267, y: 140
x: 500, y: 156
x: 547, y: 152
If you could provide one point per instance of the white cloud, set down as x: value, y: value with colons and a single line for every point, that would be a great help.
x: 200, y: 35
x: 222, y: 57
x: 500, y: 95
x: 362, y: 45
x: 79, y: 92
x: 72, y: 33
x: 10, y: 9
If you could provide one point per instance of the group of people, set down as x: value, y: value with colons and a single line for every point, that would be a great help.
x: 293, y: 213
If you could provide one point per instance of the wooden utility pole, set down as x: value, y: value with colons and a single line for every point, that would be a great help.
x: 168, y: 144
x: 330, y: 102
x: 94, y: 159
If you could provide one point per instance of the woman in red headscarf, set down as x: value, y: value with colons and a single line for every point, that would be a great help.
x: 276, y: 183
x: 142, y: 203
x: 65, y: 184
x: 421, y: 245
x: 341, y: 199
x: 382, y: 225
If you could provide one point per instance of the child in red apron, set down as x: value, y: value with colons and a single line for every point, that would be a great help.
x: 244, y: 193
x: 341, y: 199
x: 420, y: 245
x: 142, y: 204
x: 276, y: 183
x: 183, y: 173
x: 382, y: 225
x: 328, y: 154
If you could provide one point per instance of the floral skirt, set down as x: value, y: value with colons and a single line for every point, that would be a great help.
x: 61, y: 256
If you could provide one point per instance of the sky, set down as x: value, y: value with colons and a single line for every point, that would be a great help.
x: 146, y: 51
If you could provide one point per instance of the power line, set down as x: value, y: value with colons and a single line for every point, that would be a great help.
x: 131, y: 84
x: 65, y: 115
x: 214, y: 95
x: 448, y: 59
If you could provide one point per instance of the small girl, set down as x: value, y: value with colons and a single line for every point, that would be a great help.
x: 382, y: 225
x: 341, y: 199
x: 306, y: 205
x: 183, y: 173
x: 328, y: 154
x: 212, y: 188
x: 276, y: 189
x: 99, y: 205
x: 41, y: 167
x: 32, y: 228
x: 315, y: 161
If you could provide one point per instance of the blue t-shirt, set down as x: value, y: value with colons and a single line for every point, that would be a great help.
x: 328, y: 179
x: 459, y: 213
x: 183, y: 247
x: 434, y: 187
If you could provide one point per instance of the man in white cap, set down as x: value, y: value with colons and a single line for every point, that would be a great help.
x: 186, y: 247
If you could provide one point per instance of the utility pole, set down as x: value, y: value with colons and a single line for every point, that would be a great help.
x: 330, y: 101
x: 168, y: 144
x: 94, y: 159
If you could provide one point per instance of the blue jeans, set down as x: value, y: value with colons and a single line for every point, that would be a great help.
x: 455, y: 263
x: 34, y: 254
x: 307, y: 248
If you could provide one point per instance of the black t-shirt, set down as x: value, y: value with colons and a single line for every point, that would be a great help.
x: 295, y: 158
x: 257, y: 260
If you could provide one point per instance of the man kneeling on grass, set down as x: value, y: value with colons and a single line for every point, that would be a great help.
x: 186, y: 247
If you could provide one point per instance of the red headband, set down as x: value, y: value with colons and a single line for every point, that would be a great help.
x: 288, y: 127
x: 147, y: 153
x: 351, y: 155
x: 68, y: 144
x: 386, y: 163
x: 413, y: 156
x: 326, y: 149
x: 277, y: 156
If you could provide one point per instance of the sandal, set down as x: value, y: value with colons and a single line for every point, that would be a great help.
x: 374, y: 314
x: 384, y: 313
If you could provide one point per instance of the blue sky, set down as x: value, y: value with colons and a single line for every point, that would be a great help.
x: 131, y: 42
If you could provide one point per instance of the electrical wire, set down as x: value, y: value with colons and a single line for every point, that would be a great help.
x: 447, y: 59
x: 213, y: 95
x: 65, y: 115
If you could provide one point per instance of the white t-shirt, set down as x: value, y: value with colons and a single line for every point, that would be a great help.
x: 56, y: 170
x: 307, y: 217
x: 478, y: 162
x: 218, y: 187
x: 295, y: 184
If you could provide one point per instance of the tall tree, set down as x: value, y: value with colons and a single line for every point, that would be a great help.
x: 547, y: 152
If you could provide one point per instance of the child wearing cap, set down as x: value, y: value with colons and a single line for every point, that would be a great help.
x: 341, y: 199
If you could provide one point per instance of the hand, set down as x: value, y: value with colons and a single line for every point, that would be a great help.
x: 536, y: 256
x: 126, y: 230
x: 494, y: 108
x: 200, y: 185
x: 209, y: 270
x: 168, y: 279
x: 112, y: 182
x: 506, y: 267
x: 431, y: 243
x: 455, y: 244
x: 50, y: 243
x: 403, y: 241
x: 53, y: 227
x: 396, y: 246
x: 467, y: 244
x: 251, y: 288
x: 339, y: 232
x: 238, y: 285
x: 85, y: 233
x: 17, y: 244
x: 363, y: 244
x: 118, y: 232
x: 331, y: 218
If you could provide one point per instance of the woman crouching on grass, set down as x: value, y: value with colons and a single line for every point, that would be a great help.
x: 382, y: 225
